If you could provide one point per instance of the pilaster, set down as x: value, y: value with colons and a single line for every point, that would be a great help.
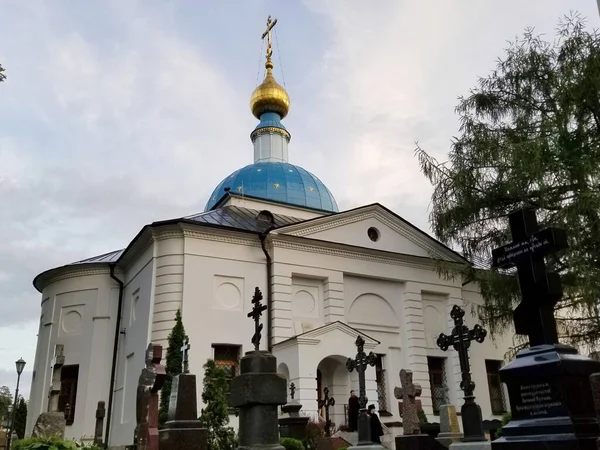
x: 333, y: 296
x: 281, y: 327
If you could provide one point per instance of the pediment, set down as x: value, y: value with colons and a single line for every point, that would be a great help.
x: 392, y: 233
x: 328, y: 331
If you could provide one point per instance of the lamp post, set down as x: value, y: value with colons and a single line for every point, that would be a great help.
x: 20, y: 365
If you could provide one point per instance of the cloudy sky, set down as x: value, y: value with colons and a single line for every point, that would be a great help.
x: 118, y: 113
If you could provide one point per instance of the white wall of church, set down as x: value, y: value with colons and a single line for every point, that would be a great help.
x: 133, y: 339
x: 78, y: 312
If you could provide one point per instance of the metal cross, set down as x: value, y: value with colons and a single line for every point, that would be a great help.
x: 184, y: 350
x: 540, y: 289
x: 267, y: 34
x: 460, y: 339
x: 255, y: 314
x: 292, y: 390
x: 360, y: 363
x: 326, y: 402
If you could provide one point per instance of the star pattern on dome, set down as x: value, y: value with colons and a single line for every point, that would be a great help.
x: 259, y: 170
x: 310, y: 188
x: 276, y: 185
x: 239, y: 188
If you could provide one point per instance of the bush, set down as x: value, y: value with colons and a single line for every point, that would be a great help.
x: 314, y: 431
x: 292, y: 444
x: 53, y: 443
x: 505, y: 419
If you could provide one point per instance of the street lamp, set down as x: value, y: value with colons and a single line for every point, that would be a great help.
x: 20, y: 365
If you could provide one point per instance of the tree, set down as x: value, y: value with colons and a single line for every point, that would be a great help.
x: 21, y: 418
x: 2, y: 76
x: 529, y: 136
x: 5, y: 402
x: 215, y: 415
x: 173, y: 367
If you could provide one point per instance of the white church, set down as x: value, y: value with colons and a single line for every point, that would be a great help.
x: 327, y: 277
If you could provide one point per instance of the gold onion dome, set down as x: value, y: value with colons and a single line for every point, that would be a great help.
x: 269, y: 96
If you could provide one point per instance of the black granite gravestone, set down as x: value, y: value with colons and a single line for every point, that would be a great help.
x: 292, y: 424
x: 99, y: 428
x: 548, y: 384
x: 460, y: 339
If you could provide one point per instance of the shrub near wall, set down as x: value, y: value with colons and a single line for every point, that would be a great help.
x: 53, y: 443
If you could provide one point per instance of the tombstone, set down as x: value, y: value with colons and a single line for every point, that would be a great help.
x: 460, y: 339
x: 99, y: 428
x: 326, y: 402
x: 58, y: 361
x: 412, y: 439
x: 449, y: 428
x: 548, y: 384
x: 292, y: 424
x: 595, y: 385
x: 50, y: 424
x: 360, y: 363
x: 258, y: 391
x: 183, y: 430
x: 151, y: 381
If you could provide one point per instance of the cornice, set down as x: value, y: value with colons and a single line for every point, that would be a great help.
x: 270, y: 130
x: 229, y: 238
x: 329, y: 249
x: 66, y: 272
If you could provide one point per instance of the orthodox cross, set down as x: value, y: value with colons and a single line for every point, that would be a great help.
x: 409, y: 393
x: 326, y: 402
x: 360, y: 363
x: 184, y: 349
x: 292, y: 390
x: 270, y: 24
x: 255, y: 314
x: 540, y: 290
x: 460, y: 339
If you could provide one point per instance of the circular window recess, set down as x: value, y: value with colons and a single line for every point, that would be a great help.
x: 373, y: 234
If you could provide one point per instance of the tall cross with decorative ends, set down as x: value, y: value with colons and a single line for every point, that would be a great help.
x: 270, y: 24
x: 184, y: 350
x: 460, y: 339
x: 540, y: 290
x: 409, y: 393
x: 360, y: 363
x: 255, y: 314
x: 326, y: 402
x: 292, y: 390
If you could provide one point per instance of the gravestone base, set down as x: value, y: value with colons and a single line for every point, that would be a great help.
x: 479, y: 445
x: 551, y: 400
x: 370, y: 446
x: 417, y: 442
x: 447, y: 439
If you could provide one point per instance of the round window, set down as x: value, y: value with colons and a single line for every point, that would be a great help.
x: 373, y: 234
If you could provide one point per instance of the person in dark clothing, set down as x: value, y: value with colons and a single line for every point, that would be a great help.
x: 353, y: 411
x: 376, y: 428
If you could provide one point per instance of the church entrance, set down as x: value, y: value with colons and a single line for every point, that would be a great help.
x: 332, y: 373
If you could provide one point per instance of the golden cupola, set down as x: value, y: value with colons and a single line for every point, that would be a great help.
x: 269, y: 96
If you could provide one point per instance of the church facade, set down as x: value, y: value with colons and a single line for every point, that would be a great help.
x: 327, y: 277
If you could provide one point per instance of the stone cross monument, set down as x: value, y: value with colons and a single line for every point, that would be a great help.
x: 151, y: 381
x: 409, y: 393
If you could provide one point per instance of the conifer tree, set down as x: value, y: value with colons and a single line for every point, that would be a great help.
x: 215, y: 415
x: 21, y: 418
x: 173, y: 366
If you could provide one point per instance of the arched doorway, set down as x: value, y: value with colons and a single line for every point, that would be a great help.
x: 332, y: 373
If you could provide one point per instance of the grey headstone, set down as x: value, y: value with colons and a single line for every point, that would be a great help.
x: 50, y: 424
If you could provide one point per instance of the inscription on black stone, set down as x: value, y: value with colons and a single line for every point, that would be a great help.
x: 543, y: 241
x: 535, y: 400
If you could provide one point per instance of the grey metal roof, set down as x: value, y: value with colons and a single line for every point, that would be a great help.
x: 241, y: 219
x: 105, y: 258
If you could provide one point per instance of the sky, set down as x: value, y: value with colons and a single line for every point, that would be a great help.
x: 115, y: 114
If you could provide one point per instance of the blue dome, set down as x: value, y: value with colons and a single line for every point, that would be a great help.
x: 279, y: 182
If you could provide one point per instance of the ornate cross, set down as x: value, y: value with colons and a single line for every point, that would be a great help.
x: 292, y: 390
x: 409, y: 393
x: 270, y: 24
x: 326, y: 402
x: 360, y: 363
x: 184, y: 349
x: 255, y: 314
x: 460, y: 339
x: 540, y: 290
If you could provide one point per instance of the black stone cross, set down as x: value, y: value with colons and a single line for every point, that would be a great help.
x: 460, y: 339
x: 255, y: 314
x: 540, y: 290
x: 292, y: 390
x: 184, y: 350
x: 360, y: 363
x: 326, y: 402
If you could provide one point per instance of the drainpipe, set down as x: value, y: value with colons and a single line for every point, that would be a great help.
x: 113, y: 369
x: 263, y: 237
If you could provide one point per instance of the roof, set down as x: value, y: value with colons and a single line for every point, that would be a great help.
x: 279, y: 182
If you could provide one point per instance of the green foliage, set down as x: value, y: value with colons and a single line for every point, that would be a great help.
x: 291, y: 444
x: 5, y: 402
x: 422, y: 417
x: 314, y: 432
x: 21, y: 418
x: 174, y: 363
x: 215, y: 415
x: 505, y: 419
x: 529, y: 136
x: 53, y: 443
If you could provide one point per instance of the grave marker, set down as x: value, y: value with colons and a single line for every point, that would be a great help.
x: 408, y: 393
x: 151, y: 381
x: 326, y: 402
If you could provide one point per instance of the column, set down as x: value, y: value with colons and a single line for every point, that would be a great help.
x: 414, y: 341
